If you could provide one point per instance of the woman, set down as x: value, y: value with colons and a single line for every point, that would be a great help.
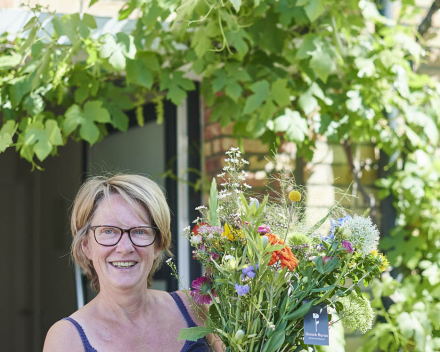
x: 121, y: 233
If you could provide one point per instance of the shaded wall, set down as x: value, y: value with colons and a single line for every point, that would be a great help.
x: 38, y: 286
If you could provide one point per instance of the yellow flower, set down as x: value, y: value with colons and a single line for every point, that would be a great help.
x: 228, y: 233
x: 384, y: 261
x: 294, y: 196
x: 232, y: 234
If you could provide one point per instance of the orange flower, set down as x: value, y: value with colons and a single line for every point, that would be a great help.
x: 285, y: 255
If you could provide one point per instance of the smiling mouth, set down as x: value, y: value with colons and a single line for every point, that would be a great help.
x: 124, y: 265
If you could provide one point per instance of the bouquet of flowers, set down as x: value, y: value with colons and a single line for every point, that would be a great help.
x: 266, y: 268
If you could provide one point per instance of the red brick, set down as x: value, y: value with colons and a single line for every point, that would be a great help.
x: 207, y: 149
x: 255, y: 146
x: 213, y: 165
x: 212, y: 130
x: 217, y: 146
x: 228, y: 130
x: 228, y: 143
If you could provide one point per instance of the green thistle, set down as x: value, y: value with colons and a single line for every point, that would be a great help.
x: 298, y: 239
x: 358, y: 313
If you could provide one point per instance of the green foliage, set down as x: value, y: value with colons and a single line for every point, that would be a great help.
x: 291, y: 70
x: 412, y: 322
x: 295, y: 70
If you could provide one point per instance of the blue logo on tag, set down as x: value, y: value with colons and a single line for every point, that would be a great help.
x: 316, y: 326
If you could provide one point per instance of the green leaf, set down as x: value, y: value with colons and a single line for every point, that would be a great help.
x: 280, y: 93
x: 81, y: 94
x: 300, y: 312
x: 267, y: 111
x: 33, y: 104
x: 308, y: 102
x: 261, y: 90
x: 6, y: 133
x: 128, y: 8
x: 92, y: 2
x: 314, y: 9
x: 319, y: 264
x: 294, y: 126
x: 151, y: 14
x: 137, y: 72
x: 322, y: 63
x: 89, y: 20
x: 331, y: 264
x: 193, y: 334
x: 213, y: 203
x: 30, y: 40
x: 236, y: 4
x: 69, y: 26
x: 274, y: 342
x: 176, y: 84
x: 92, y: 112
x: 321, y: 289
x: 117, y: 50
x: 9, y: 61
x: 186, y: 9
x: 201, y: 42
x: 43, y: 138
x: 307, y: 47
x: 30, y: 24
x: 233, y: 90
x: 238, y: 39
x: 120, y: 119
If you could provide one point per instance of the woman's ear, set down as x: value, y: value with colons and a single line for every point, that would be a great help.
x: 85, y: 247
x: 157, y: 251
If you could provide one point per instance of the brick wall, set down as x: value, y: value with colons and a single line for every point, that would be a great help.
x: 326, y: 177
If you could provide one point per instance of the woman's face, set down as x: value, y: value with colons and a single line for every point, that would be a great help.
x: 107, y: 260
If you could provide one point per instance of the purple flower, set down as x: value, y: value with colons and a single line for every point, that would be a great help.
x: 202, y: 287
x: 249, y: 271
x: 242, y: 290
x: 347, y: 246
x: 215, y: 256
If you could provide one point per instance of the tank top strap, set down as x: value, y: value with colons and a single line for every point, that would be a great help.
x: 183, y: 309
x: 88, y: 347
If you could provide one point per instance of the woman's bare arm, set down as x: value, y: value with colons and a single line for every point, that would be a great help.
x: 214, y: 341
x: 63, y: 336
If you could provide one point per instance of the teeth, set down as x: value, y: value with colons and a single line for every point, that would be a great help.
x: 123, y: 264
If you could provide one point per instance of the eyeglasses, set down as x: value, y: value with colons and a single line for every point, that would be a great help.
x: 141, y: 236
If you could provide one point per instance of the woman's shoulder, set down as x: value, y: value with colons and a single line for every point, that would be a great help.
x: 196, y: 312
x: 63, y: 333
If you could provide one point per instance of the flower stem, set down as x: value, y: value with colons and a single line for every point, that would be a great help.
x: 290, y: 218
x: 218, y: 309
x: 329, y: 292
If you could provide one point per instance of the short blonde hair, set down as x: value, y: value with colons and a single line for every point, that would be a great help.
x: 138, y: 191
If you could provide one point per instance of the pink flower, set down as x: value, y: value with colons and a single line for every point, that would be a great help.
x: 347, y: 246
x: 326, y: 259
x: 215, y: 256
x: 202, y: 287
x: 263, y: 229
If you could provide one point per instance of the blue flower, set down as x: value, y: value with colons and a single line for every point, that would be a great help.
x: 337, y: 223
x: 249, y: 271
x: 242, y: 290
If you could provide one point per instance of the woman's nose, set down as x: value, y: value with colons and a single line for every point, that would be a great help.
x: 125, y: 243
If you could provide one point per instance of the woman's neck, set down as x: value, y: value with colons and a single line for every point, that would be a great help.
x: 123, y: 305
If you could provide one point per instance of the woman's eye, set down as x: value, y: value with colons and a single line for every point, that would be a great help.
x: 109, y: 231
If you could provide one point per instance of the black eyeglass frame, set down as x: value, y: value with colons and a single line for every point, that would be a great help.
x: 93, y: 228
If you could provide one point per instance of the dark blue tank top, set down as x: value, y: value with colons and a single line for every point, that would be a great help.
x: 190, y: 346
